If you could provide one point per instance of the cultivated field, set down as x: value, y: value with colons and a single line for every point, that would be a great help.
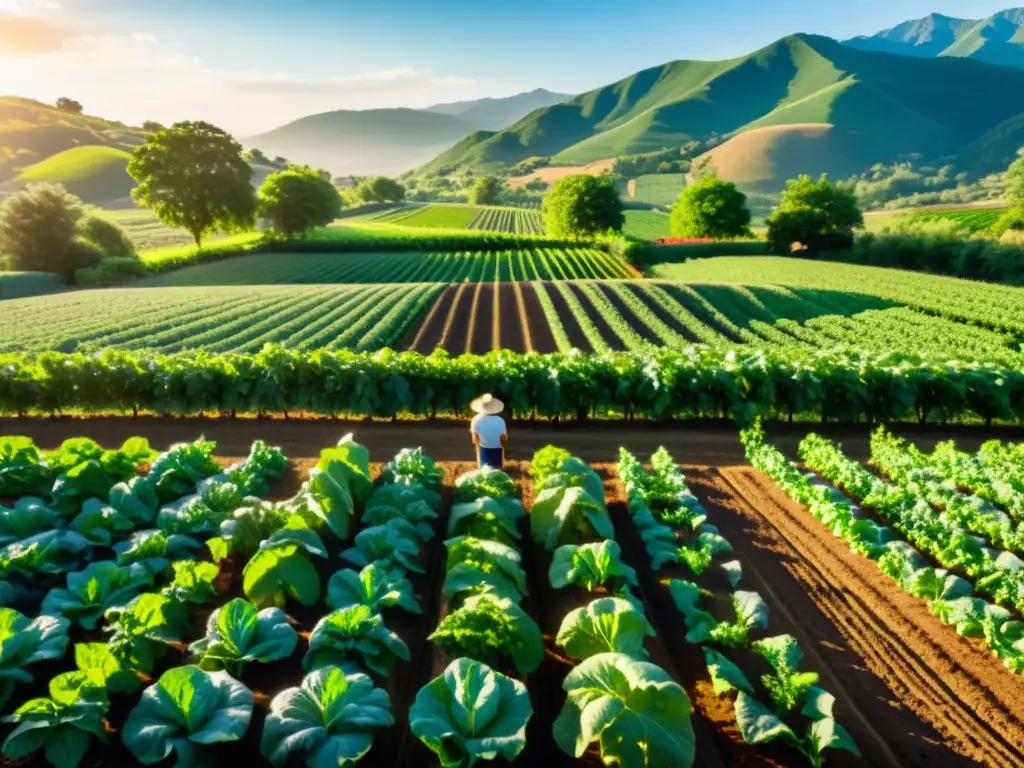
x: 646, y: 225
x: 657, y: 189
x: 552, y: 173
x: 500, y: 219
x: 725, y: 580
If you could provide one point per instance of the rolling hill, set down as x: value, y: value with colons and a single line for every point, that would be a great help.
x: 999, y: 39
x: 881, y: 107
x: 94, y: 173
x: 390, y: 141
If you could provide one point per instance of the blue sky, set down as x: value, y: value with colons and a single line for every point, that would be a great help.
x: 252, y: 64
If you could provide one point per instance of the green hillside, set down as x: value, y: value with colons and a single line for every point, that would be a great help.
x: 999, y: 39
x: 887, y: 106
x: 95, y: 174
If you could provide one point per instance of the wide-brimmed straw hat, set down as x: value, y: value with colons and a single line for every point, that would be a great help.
x: 487, y: 404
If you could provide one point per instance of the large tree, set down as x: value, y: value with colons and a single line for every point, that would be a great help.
x: 583, y: 206
x: 380, y: 189
x: 711, y: 208
x: 39, y: 231
x: 297, y: 200
x: 70, y: 106
x: 813, y: 216
x: 486, y: 191
x: 193, y: 176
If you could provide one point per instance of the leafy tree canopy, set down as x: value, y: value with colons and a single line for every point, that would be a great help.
x: 298, y: 199
x: 1015, y: 182
x: 816, y: 215
x: 193, y: 176
x: 711, y: 208
x: 152, y: 126
x: 583, y: 206
x: 39, y: 231
x: 380, y: 189
x: 70, y: 106
x: 486, y: 191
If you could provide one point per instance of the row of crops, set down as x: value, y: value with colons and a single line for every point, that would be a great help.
x: 431, y: 216
x: 496, y: 219
x: 971, y: 221
x: 222, y: 319
x: 14, y: 285
x: 992, y: 306
x: 635, y: 316
x: 437, y: 267
x: 694, y: 382
x: 955, y: 546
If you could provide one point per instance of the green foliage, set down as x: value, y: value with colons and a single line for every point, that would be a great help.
x: 547, y: 461
x: 278, y: 572
x: 1015, y: 182
x: 185, y: 710
x: 193, y: 582
x: 711, y: 208
x: 815, y: 214
x: 605, y: 625
x: 374, y: 586
x: 590, y: 566
x: 72, y: 107
x: 566, y: 515
x: 141, y: 631
x: 471, y: 713
x: 62, y: 725
x: 583, y: 206
x: 380, y: 189
x: 39, y: 231
x: 193, y: 177
x: 486, y: 191
x: 492, y: 631
x: 331, y: 719
x: 297, y: 200
x: 107, y: 236
x: 24, y: 642
x: 485, y: 482
x: 90, y: 593
x: 238, y: 634
x: 354, y: 635
x: 647, y: 714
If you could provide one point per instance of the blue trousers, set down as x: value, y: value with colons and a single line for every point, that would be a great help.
x: 492, y: 457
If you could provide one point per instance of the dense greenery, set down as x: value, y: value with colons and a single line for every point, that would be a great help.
x: 658, y: 385
x: 379, y: 189
x: 813, y: 216
x: 711, y: 208
x: 193, y: 176
x: 486, y: 191
x: 583, y: 206
x: 297, y: 200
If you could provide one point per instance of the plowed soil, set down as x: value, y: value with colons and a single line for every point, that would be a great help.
x: 665, y: 316
x: 512, y: 335
x: 572, y: 328
x: 610, y: 337
x: 457, y: 324
x: 428, y: 335
x: 540, y: 331
x: 629, y: 316
x: 481, y: 335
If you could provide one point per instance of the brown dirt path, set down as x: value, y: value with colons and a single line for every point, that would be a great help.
x: 914, y: 691
x: 541, y: 337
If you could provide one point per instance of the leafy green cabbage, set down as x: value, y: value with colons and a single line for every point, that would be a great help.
x: 608, y: 624
x: 237, y: 634
x: 354, y: 634
x: 589, y: 566
x: 492, y: 631
x: 24, y: 642
x: 375, y: 586
x: 101, y: 586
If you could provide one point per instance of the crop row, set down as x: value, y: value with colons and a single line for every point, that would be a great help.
x: 360, y: 317
x: 971, y: 221
x: 950, y: 596
x: 691, y: 382
x: 432, y: 216
x: 15, y: 285
x: 518, y: 220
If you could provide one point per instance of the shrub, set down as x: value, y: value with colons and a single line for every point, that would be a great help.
x: 108, y: 236
x: 711, y: 208
x: 297, y: 200
x: 583, y: 206
x: 813, y: 216
x: 1011, y: 220
x: 111, y: 271
x: 38, y: 229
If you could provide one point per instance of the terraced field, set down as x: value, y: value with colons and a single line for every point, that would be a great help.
x: 407, y: 267
x: 239, y: 319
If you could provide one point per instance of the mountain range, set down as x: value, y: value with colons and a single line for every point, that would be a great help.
x: 802, y: 104
x: 999, y: 39
x: 389, y: 141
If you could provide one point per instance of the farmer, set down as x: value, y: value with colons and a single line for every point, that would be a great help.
x: 488, y: 430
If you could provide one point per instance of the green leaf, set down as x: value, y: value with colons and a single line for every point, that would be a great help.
x: 757, y: 723
x: 354, y: 634
x: 490, y: 630
x: 395, y: 544
x: 331, y: 720
x: 185, y: 708
x: 91, y: 592
x: 488, y: 556
x: 590, y: 566
x: 725, y: 676
x: 826, y: 733
x: 609, y: 624
x: 565, y: 515
x: 471, y: 713
x: 236, y: 634
x: 98, y: 661
x: 374, y: 586
x: 279, y: 573
x: 637, y: 713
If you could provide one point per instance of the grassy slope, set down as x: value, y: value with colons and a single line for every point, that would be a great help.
x: 658, y: 188
x: 95, y: 174
x: 646, y: 225
x: 895, y: 105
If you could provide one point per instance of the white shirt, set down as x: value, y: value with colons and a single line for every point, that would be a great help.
x: 490, y: 429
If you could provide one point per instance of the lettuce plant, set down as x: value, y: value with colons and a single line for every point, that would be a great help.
x: 350, y: 460
x: 141, y: 631
x: 101, y: 523
x: 326, y: 500
x: 574, y: 473
x: 22, y: 468
x: 193, y: 582
x: 402, y: 496
x: 61, y: 725
x: 279, y: 572
x: 395, y: 544
x: 608, y: 624
x: 354, y: 634
x: 589, y: 566
x: 407, y: 505
x: 471, y: 713
x: 751, y: 614
x: 154, y: 549
x: 565, y: 515
x: 484, y: 482
x: 375, y: 586
x: 238, y: 634
x: 759, y: 725
x: 411, y: 467
x: 330, y: 720
x: 105, y: 670
x: 137, y: 500
x: 24, y: 642
x: 491, y: 631
x: 487, y: 518
x: 480, y: 566
x: 99, y: 587
x: 546, y: 462
x: 27, y: 517
x: 787, y: 686
x: 250, y: 525
x: 184, y: 710
x: 80, y: 482
x: 50, y: 552
x: 644, y: 714
x: 176, y: 472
